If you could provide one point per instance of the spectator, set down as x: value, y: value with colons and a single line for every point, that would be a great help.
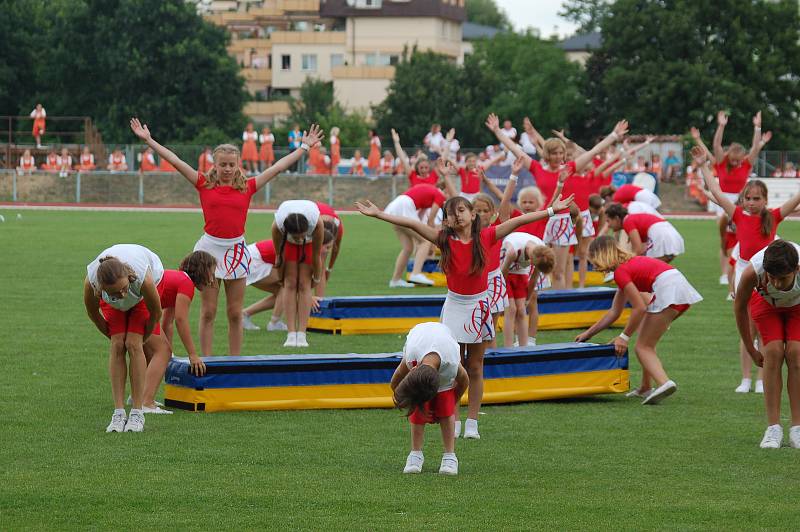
x: 117, y: 162
x: 266, y: 155
x: 640, y: 165
x: 388, y: 163
x: 374, y: 158
x: 39, y: 115
x: 508, y: 130
x: 526, y: 142
x: 64, y: 162
x: 321, y: 162
x: 789, y: 170
x: 206, y: 161
x: 165, y: 166
x: 672, y: 166
x: 148, y: 162
x: 51, y: 162
x: 87, y: 161
x: 27, y: 163
x: 433, y: 141
x: 335, y: 150
x: 249, y: 149
x: 357, y: 164
x: 655, y: 167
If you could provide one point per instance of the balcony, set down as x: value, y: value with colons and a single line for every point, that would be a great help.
x: 308, y: 37
x: 244, y: 45
x: 363, y: 72
x: 257, y: 74
x: 267, y: 109
x: 445, y: 9
x: 299, y: 5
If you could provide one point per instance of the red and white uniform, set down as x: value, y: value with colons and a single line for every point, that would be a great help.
x: 536, y: 228
x: 731, y: 182
x: 498, y: 290
x: 387, y: 166
x: 776, y: 313
x: 262, y: 260
x: 335, y: 154
x: 414, y: 201
x: 750, y: 238
x: 415, y: 179
x: 267, y: 153
x: 64, y: 162
x: 116, y: 162
x: 249, y: 149
x: 638, y: 207
x: 39, y: 121
x: 470, y: 182
x: 466, y: 311
x: 173, y: 283
x: 659, y: 237
x: 357, y: 166
x: 205, y: 162
x: 373, y: 160
x: 432, y: 337
x: 327, y: 210
x: 27, y: 164
x: 51, y: 163
x: 128, y: 314
x: 628, y: 193
x: 295, y: 250
x: 225, y: 213
x: 87, y: 162
x: 148, y: 163
x: 520, y: 271
x: 583, y: 186
x: 668, y: 286
x: 560, y: 231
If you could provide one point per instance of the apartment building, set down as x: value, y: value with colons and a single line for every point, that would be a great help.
x: 353, y: 43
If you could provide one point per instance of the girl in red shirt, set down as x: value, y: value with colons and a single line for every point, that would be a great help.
x: 422, y: 173
x: 498, y: 291
x: 637, y: 279
x: 225, y: 198
x: 649, y: 235
x: 466, y: 311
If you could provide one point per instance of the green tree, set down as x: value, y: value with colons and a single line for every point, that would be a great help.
x: 668, y: 65
x: 487, y: 12
x: 20, y: 26
x: 587, y: 14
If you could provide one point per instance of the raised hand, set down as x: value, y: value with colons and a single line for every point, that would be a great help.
x: 493, y: 123
x: 367, y: 208
x: 757, y: 120
x: 517, y: 165
x: 482, y: 174
x: 561, y: 204
x: 766, y: 137
x: 451, y: 134
x: 621, y: 128
x: 140, y: 130
x: 558, y: 133
x: 649, y: 139
x: 395, y: 136
x: 698, y: 155
x: 722, y: 118
x: 695, y: 133
x: 527, y: 125
x: 564, y: 174
x: 313, y: 136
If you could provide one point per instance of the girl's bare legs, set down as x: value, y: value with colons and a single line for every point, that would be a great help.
x: 137, y: 368
x: 319, y: 290
x: 774, y: 355
x: 793, y: 380
x: 418, y: 436
x: 234, y: 296
x: 208, y: 312
x: 583, y: 259
x: 118, y: 370
x: 407, y: 247
x: 569, y: 271
x: 158, y: 354
x: 423, y: 250
x: 509, y: 322
x: 474, y: 366
x: 533, y: 315
x: 653, y: 328
x: 289, y: 295
x: 304, y: 297
x: 495, y: 319
x: 448, y: 436
x: 562, y: 255
x: 521, y: 324
x: 261, y: 305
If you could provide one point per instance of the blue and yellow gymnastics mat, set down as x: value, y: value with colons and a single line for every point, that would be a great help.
x: 299, y: 382
x: 558, y: 309
x: 432, y: 271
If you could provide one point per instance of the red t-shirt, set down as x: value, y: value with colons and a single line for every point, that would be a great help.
x: 266, y: 248
x: 459, y: 280
x: 224, y: 207
x: 533, y: 228
x: 470, y: 181
x: 626, y: 194
x: 415, y: 179
x: 327, y: 210
x: 547, y: 180
x: 641, y: 223
x: 748, y: 232
x: 175, y: 282
x: 582, y: 186
x: 425, y: 196
x: 732, y: 181
x: 641, y: 271
x: 493, y: 256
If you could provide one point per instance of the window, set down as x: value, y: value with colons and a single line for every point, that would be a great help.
x: 365, y: 4
x: 337, y: 60
x: 394, y: 59
x: 309, y: 62
x: 381, y: 59
x: 286, y: 62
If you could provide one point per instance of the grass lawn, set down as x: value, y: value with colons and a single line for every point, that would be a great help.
x: 594, y: 463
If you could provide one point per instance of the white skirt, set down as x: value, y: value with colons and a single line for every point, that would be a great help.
x: 672, y: 288
x: 588, y: 226
x: 645, y: 196
x: 498, y: 293
x: 560, y: 231
x: 258, y: 268
x: 637, y: 207
x: 719, y: 211
x: 663, y: 239
x: 403, y: 206
x: 739, y: 268
x: 468, y: 317
x: 232, y: 254
x: 469, y: 195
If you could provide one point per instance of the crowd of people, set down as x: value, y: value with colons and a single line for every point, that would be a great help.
x: 497, y: 253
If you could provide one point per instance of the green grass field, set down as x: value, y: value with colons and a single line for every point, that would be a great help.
x: 594, y: 463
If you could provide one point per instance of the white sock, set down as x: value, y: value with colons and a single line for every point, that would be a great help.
x: 457, y: 428
x: 301, y: 336
x: 531, y: 340
x: 136, y: 411
x: 417, y: 454
x: 471, y: 424
x: 448, y: 455
x: 119, y: 411
x: 747, y: 382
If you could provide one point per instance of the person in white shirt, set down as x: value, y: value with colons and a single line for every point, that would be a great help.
x: 39, y: 116
x: 527, y: 144
x: 428, y: 383
x: 508, y: 130
x: 433, y: 141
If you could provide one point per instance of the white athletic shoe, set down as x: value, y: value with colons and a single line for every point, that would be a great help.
x: 660, y: 393
x: 636, y: 392
x: 277, y: 326
x: 247, y: 323
x: 449, y: 464
x: 400, y: 283
x: 302, y: 341
x: 730, y: 297
x: 419, y: 278
x: 117, y: 422
x: 291, y: 340
x: 471, y: 430
x: 794, y: 436
x: 135, y: 422
x: 759, y: 386
x: 155, y: 410
x: 608, y: 277
x: 723, y: 279
x: 414, y: 464
x: 457, y: 429
x: 744, y: 387
x: 773, y: 437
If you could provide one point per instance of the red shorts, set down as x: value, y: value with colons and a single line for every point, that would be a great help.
x: 730, y: 240
x: 775, y: 323
x: 683, y: 307
x: 517, y: 285
x: 293, y: 252
x: 127, y: 321
x: 440, y: 407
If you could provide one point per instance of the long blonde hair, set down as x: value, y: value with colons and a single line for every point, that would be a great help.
x: 239, y: 180
x: 606, y: 255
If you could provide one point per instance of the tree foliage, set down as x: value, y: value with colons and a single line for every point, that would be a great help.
x: 587, y: 14
x: 487, y: 12
x: 668, y: 65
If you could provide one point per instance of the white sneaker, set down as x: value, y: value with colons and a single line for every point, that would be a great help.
x: 723, y: 279
x: 759, y: 386
x: 449, y: 464
x: 414, y: 463
x: 660, y: 393
x: 277, y: 326
x: 419, y: 278
x: 301, y: 340
x: 773, y: 437
x: 794, y: 436
x: 636, y: 392
x: 135, y: 422
x: 471, y: 429
x: 291, y: 340
x: 247, y: 323
x: 155, y: 410
x: 744, y: 387
x: 608, y: 277
x: 730, y: 297
x: 117, y: 422
x: 400, y: 283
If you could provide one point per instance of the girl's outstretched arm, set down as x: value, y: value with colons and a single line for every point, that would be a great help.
x: 613, y: 314
x: 716, y: 144
x: 309, y: 140
x: 494, y: 189
x: 538, y: 139
x: 585, y: 159
x: 719, y: 198
x: 493, y: 124
x: 425, y: 231
x: 141, y: 131
x: 698, y: 140
x: 741, y: 300
x: 92, y: 304
x: 790, y: 206
x: 401, y: 154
